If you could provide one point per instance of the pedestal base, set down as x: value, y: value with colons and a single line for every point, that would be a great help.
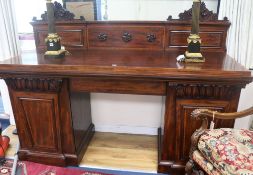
x: 194, y: 57
x: 55, y: 54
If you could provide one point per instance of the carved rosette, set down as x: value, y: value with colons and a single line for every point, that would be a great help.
x: 196, y: 91
x: 34, y: 84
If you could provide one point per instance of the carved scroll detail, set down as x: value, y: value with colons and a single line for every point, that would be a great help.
x: 203, y: 91
x: 60, y: 13
x: 190, y: 165
x: 205, y: 14
x: 34, y: 84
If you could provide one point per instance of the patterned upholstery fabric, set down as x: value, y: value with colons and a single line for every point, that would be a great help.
x: 205, y: 164
x: 230, y: 151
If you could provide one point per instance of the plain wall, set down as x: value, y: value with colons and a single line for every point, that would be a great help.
x: 246, y: 101
x: 150, y: 9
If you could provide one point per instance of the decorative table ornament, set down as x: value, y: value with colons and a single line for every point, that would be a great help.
x: 53, y: 40
x: 194, y: 41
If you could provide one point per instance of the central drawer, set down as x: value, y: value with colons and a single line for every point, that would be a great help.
x: 125, y: 36
x: 142, y: 87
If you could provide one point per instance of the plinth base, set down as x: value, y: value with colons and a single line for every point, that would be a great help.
x: 194, y: 57
x: 55, y: 54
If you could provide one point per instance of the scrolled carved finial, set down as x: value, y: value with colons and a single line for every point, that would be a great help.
x: 169, y: 18
x: 225, y: 18
x: 205, y: 14
x: 82, y: 18
x: 198, y: 112
x: 34, y: 18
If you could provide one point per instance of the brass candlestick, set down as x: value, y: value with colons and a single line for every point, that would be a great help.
x: 53, y: 40
x: 194, y: 41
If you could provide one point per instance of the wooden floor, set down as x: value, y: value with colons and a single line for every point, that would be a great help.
x: 112, y: 151
x: 13, y: 142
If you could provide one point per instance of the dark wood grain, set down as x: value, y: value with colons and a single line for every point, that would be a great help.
x: 38, y: 126
x: 61, y: 87
x: 72, y: 36
x: 169, y: 35
x: 115, y: 32
x: 134, y: 64
x: 213, y: 36
x: 81, y: 121
x: 68, y: 142
x: 184, y: 124
x: 117, y: 86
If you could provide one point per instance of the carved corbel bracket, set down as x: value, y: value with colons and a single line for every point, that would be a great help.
x: 34, y: 84
x: 196, y: 114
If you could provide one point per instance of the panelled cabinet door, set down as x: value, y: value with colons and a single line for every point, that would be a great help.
x: 38, y: 121
x: 185, y: 125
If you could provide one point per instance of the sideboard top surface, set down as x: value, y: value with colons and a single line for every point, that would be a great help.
x: 127, y: 63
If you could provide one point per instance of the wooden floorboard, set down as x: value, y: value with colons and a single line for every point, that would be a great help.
x: 112, y: 151
x: 13, y: 141
x: 122, y: 151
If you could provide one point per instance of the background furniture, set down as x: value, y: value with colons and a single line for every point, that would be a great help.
x: 221, y: 151
x: 51, y: 97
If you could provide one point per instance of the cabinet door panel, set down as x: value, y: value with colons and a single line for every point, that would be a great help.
x: 39, y: 116
x: 185, y: 125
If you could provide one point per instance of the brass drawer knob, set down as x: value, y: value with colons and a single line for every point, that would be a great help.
x: 126, y: 37
x: 151, y: 38
x: 102, y: 37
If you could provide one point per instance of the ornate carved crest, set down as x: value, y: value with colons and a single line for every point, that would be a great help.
x: 34, y: 84
x: 59, y: 13
x: 205, y: 14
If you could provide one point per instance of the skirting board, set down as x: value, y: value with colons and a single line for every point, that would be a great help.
x: 127, y: 129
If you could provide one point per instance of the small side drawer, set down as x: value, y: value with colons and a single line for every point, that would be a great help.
x: 115, y: 36
x: 213, y: 37
x: 72, y: 37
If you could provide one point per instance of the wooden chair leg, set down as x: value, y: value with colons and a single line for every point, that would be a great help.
x: 189, y: 167
x: 198, y: 172
x: 192, y: 169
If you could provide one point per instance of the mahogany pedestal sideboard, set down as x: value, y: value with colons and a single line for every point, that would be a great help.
x: 51, y: 98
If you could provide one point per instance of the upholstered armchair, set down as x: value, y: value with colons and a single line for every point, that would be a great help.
x: 220, y: 151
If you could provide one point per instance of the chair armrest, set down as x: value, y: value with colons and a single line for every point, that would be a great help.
x: 203, y: 113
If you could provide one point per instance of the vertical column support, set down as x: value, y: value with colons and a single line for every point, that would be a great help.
x: 169, y: 135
